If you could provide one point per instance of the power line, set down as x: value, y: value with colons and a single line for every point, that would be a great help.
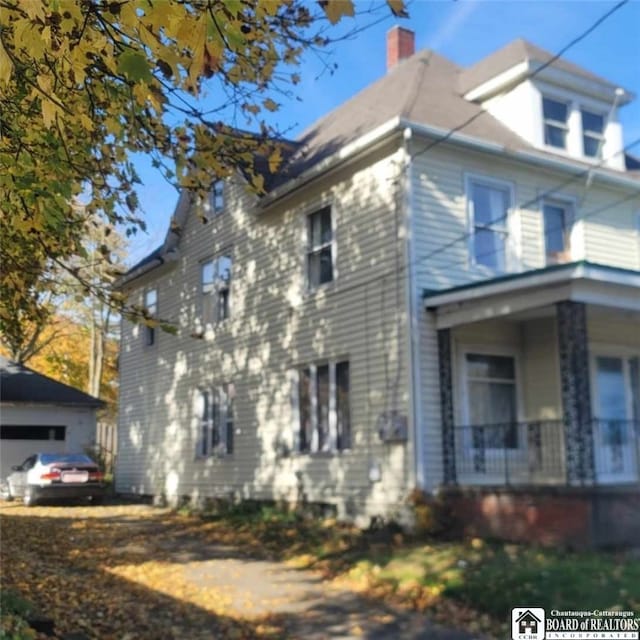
x: 468, y: 234
x: 528, y: 76
x: 585, y: 216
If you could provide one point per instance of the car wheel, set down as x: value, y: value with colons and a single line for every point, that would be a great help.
x: 5, y: 493
x: 97, y: 500
x: 29, y: 499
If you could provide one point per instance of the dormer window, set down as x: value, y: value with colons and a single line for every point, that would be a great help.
x: 555, y: 115
x: 592, y: 133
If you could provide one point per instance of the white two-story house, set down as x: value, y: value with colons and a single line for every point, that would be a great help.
x: 441, y: 291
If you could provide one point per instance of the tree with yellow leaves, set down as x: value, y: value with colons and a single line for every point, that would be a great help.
x: 86, y: 83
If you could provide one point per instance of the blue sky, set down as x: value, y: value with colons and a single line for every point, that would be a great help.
x: 462, y: 30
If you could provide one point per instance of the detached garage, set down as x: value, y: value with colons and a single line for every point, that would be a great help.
x: 38, y: 414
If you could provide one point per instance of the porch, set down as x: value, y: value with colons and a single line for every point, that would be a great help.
x: 540, y: 379
x: 534, y: 453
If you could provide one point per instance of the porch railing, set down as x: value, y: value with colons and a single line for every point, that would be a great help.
x: 533, y: 452
x: 511, y: 453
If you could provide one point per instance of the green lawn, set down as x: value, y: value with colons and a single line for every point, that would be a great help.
x: 481, y: 580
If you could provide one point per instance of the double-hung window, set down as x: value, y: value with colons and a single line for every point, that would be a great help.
x: 324, y: 407
x: 320, y: 248
x: 216, y: 196
x: 215, y: 282
x: 491, y: 400
x: 489, y: 206
x: 592, y: 133
x: 216, y: 408
x: 151, y: 308
x: 556, y: 115
x: 558, y: 218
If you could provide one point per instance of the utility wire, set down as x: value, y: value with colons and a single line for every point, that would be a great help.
x: 586, y: 172
x: 534, y: 73
x: 586, y: 216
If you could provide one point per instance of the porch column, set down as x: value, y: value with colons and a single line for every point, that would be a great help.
x: 573, y: 348
x: 445, y: 369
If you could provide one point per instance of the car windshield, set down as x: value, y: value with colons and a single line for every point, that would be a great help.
x: 77, y: 458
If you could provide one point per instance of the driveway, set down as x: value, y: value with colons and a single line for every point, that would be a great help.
x: 134, y: 572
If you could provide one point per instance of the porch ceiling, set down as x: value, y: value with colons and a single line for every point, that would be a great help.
x: 517, y: 293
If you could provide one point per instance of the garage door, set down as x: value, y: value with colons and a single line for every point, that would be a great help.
x: 18, y: 442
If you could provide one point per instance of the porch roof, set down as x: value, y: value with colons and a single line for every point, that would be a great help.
x: 505, y: 295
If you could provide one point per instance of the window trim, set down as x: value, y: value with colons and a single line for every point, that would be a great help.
x: 296, y: 413
x: 510, y: 254
x: 569, y: 205
x: 556, y: 123
x: 463, y: 349
x: 216, y: 288
x: 217, y: 189
x: 150, y: 337
x: 600, y: 138
x: 308, y: 250
x: 224, y: 448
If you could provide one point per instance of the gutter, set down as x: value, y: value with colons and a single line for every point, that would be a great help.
x: 168, y: 258
x: 530, y: 157
x: 576, y: 271
x: 413, y: 304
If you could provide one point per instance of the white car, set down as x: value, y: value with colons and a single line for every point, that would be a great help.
x: 54, y: 475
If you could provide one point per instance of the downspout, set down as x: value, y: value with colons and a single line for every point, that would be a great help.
x: 413, y: 325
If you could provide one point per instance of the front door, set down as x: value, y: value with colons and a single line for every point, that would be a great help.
x: 615, y: 386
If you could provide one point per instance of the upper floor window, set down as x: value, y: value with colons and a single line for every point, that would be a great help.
x: 592, y: 133
x: 556, y: 115
x: 215, y: 280
x: 217, y: 197
x: 216, y: 420
x: 558, y: 219
x: 151, y: 307
x: 489, y: 210
x: 320, y: 249
x: 324, y: 407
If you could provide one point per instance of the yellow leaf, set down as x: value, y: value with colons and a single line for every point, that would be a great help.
x: 274, y: 160
x: 6, y: 66
x: 336, y: 9
x: 33, y: 8
x: 48, y: 112
x: 398, y: 8
x: 270, y: 104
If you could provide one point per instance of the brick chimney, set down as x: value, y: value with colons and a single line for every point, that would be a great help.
x: 401, y: 44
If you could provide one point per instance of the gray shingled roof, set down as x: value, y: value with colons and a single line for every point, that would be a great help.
x: 512, y: 54
x: 23, y: 385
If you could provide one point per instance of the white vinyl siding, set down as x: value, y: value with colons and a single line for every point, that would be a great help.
x: 276, y: 327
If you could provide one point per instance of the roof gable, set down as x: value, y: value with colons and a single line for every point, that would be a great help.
x: 514, y: 53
